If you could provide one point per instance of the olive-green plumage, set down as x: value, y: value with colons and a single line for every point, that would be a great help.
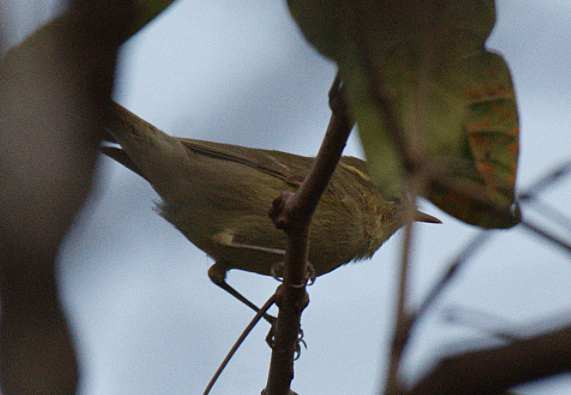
x: 219, y: 195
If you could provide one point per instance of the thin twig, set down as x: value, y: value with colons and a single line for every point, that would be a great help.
x: 545, y: 181
x: 401, y: 331
x: 550, y: 212
x: 266, y: 306
x: 528, y: 195
x: 546, y: 235
x: 466, y: 365
x: 484, y: 322
x: 403, y: 317
x: 453, y: 269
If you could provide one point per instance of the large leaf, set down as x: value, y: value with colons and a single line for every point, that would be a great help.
x: 146, y: 11
x: 419, y: 81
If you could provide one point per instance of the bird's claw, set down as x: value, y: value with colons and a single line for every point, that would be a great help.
x: 297, y: 352
x: 277, y: 272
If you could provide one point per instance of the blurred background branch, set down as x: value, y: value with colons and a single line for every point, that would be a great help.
x: 493, y: 370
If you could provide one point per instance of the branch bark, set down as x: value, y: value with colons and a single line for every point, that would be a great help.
x: 292, y: 213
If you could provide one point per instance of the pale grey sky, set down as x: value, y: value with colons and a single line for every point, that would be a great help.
x: 147, y: 318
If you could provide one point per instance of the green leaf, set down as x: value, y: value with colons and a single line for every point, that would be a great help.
x: 423, y: 89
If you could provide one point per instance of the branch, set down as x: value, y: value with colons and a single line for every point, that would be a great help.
x: 546, y: 181
x: 538, y: 231
x: 529, y: 195
x: 292, y: 213
x: 497, y: 369
x: 261, y: 312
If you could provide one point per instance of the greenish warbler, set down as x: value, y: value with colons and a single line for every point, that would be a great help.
x: 218, y: 196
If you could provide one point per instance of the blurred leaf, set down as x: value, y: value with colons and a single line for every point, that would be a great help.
x: 146, y: 11
x: 422, y: 88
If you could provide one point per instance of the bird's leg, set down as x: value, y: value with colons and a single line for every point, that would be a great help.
x: 217, y: 274
x: 277, y: 272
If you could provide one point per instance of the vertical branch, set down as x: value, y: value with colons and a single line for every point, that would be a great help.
x: 404, y: 317
x: 292, y: 213
x: 401, y: 331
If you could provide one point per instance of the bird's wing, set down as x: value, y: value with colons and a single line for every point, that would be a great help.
x: 287, y: 167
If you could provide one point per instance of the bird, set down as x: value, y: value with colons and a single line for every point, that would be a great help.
x: 218, y: 196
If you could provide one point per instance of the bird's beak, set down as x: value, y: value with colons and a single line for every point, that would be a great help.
x: 422, y: 217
